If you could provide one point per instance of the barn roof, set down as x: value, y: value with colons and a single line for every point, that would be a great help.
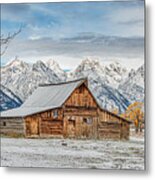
x: 45, y: 97
x: 48, y: 96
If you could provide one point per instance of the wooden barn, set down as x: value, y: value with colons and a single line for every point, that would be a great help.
x: 66, y: 110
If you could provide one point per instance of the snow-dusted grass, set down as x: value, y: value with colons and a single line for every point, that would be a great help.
x: 59, y: 153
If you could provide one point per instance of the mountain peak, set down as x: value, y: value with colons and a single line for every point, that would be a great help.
x: 39, y: 62
x: 51, y: 61
x: 16, y: 63
x: 117, y: 67
x: 52, y: 64
x: 90, y: 61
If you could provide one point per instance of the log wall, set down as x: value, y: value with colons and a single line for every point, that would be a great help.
x: 12, y: 126
x: 112, y: 127
x: 45, y: 124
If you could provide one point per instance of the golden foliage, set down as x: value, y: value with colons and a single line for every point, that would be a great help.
x: 135, y: 113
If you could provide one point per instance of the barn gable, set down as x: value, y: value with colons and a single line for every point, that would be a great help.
x: 81, y: 97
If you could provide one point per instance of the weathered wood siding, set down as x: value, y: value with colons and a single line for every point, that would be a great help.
x: 112, y: 127
x: 81, y: 97
x: 46, y: 124
x: 125, y: 130
x: 79, y: 123
x: 12, y: 126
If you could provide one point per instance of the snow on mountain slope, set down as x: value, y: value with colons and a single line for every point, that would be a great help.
x: 115, y: 73
x: 53, y: 65
x: 133, y: 85
x: 23, y: 78
x: 108, y: 97
x: 8, y: 99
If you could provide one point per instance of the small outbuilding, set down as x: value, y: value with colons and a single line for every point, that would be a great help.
x: 66, y: 110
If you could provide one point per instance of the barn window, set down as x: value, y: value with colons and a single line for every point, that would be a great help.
x: 4, y: 123
x: 88, y: 120
x: 55, y: 113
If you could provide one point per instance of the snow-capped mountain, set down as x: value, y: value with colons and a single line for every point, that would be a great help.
x: 115, y: 73
x: 112, y: 74
x: 114, y: 86
x: 23, y: 78
x: 133, y: 85
x: 8, y: 99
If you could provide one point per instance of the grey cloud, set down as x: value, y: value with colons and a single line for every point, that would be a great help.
x: 81, y: 37
x: 102, y: 46
x: 132, y: 22
x: 112, y: 41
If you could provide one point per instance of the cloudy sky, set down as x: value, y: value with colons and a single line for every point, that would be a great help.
x: 70, y: 32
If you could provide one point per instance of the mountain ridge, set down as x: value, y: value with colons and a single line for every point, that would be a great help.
x: 107, y: 82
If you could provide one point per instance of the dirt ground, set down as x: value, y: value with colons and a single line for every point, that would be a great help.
x: 59, y: 153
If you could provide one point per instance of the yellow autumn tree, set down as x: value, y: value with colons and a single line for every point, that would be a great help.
x: 135, y: 113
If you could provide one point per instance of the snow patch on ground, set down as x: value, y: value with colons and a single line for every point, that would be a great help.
x: 60, y: 153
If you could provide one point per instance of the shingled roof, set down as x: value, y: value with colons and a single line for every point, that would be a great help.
x: 45, y: 97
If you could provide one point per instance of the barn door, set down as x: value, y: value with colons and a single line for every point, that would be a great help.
x: 35, y: 127
x: 71, y: 128
x: 32, y: 127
